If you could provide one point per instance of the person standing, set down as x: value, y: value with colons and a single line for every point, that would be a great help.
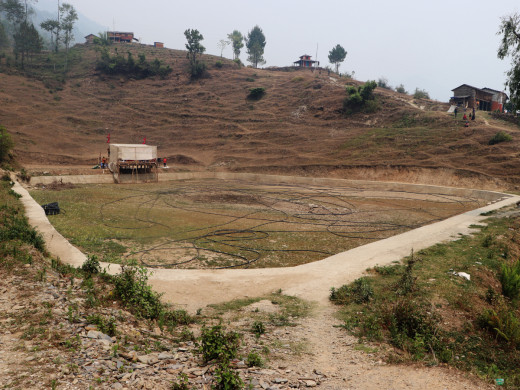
x: 164, y: 162
x: 456, y: 111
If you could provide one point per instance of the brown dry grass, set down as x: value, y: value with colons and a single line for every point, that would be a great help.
x: 298, y: 127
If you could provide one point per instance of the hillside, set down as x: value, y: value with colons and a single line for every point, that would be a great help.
x: 297, y: 127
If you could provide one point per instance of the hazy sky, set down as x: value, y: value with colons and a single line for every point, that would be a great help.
x: 435, y: 45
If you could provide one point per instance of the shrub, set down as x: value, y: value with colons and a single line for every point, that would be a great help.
x: 400, y: 89
x: 197, y: 69
x: 421, y: 94
x: 505, y: 325
x: 256, y: 93
x: 500, y: 137
x: 91, y: 265
x: 406, y: 284
x: 510, y: 280
x: 413, y: 327
x: 383, y: 83
x: 227, y: 379
x: 258, y: 328
x: 360, y: 291
x: 218, y: 64
x: 254, y: 360
x: 105, y: 325
x: 215, y: 343
x: 131, y: 286
x: 6, y: 144
x: 361, y: 98
x: 118, y: 65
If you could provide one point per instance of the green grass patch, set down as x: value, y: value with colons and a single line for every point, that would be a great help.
x: 429, y: 313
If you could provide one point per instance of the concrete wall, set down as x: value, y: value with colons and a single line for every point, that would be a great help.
x: 489, y: 196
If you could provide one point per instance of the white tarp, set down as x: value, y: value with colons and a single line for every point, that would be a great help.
x: 132, y: 152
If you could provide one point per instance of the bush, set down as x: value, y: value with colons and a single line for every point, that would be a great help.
x: 197, y: 69
x: 383, y: 83
x: 105, y: 325
x: 91, y: 265
x: 6, y: 144
x: 227, y: 379
x: 421, y: 94
x: 256, y: 93
x: 505, y: 325
x: 510, y: 280
x: 361, y: 98
x: 254, y: 360
x: 118, y: 65
x: 258, y: 328
x: 413, y: 327
x: 131, y: 286
x: 360, y: 291
x: 400, y: 89
x: 500, y: 137
x: 215, y: 343
x: 218, y: 64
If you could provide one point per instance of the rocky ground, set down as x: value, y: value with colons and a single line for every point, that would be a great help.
x: 60, y: 332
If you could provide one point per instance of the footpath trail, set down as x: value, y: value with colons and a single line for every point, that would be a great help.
x: 330, y: 353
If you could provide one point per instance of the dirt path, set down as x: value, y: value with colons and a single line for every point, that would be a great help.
x: 340, y: 362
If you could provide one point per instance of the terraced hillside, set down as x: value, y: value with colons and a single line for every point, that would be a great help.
x: 298, y: 127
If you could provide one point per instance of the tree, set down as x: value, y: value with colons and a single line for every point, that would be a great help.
x: 4, y: 41
x: 69, y: 17
x: 6, y: 144
x: 400, y: 89
x: 53, y: 27
x: 421, y: 94
x: 222, y: 45
x: 255, y: 43
x: 195, y: 50
x: 237, y: 41
x: 14, y: 11
x: 510, y: 46
x: 26, y: 41
x: 337, y: 56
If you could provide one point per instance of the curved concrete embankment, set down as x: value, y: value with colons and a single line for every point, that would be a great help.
x: 196, y: 288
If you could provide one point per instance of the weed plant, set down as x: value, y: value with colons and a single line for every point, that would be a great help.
x: 217, y: 344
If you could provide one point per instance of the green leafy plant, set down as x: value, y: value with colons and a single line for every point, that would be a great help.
x: 360, y: 98
x: 216, y: 344
x: 91, y: 265
x: 105, y: 325
x: 258, y: 328
x: 254, y: 360
x: 360, y: 291
x: 510, y: 280
x: 256, y: 93
x: 421, y: 94
x: 182, y: 383
x: 505, y: 324
x: 226, y: 378
x: 500, y: 137
x: 131, y: 286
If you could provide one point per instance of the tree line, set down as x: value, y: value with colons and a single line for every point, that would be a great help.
x: 17, y: 31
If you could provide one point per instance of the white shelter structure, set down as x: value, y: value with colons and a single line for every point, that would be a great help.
x: 132, y: 163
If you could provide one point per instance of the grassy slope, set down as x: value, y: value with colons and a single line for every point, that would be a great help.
x: 297, y: 127
x: 444, y: 318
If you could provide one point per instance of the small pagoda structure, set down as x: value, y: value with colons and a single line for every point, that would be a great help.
x: 306, y: 62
